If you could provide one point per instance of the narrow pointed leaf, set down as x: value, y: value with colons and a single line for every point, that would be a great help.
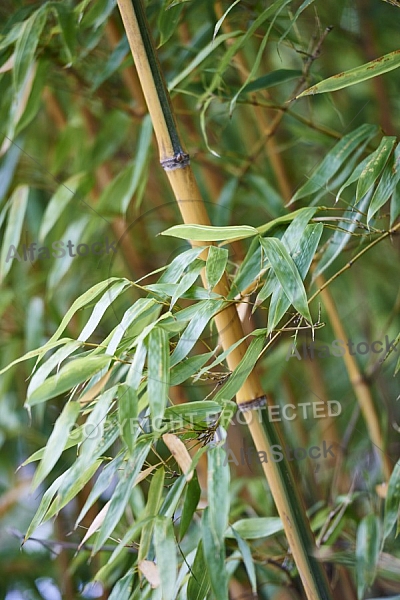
x: 215, y: 265
x: 158, y: 372
x: 287, y: 274
x: 209, y: 233
x: 392, y: 503
x: 164, y: 541
x: 374, y: 166
x: 57, y: 440
x: 376, y: 67
x: 12, y: 235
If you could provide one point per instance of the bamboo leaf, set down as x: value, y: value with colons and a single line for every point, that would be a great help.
x: 242, y: 371
x: 127, y: 414
x: 214, y: 557
x: 298, y: 12
x: 215, y: 266
x: 367, y: 553
x: 152, y: 508
x: 381, y: 65
x: 167, y: 22
x: 192, y: 497
x: 287, y: 274
x: 205, y: 311
x: 302, y: 253
x: 66, y: 20
x: 56, y: 442
x: 79, y: 303
x: 203, y: 233
x: 200, y: 56
x: 386, y: 186
x: 199, y: 584
x: 374, y: 167
x: 135, y: 311
x: 45, y: 502
x: 341, y: 237
x: 27, y: 43
x: 187, y: 281
x: 101, y: 306
x: 54, y: 361
x: 254, y: 528
x: 101, y: 484
x: 248, y: 560
x: 218, y: 477
x: 58, y: 203
x: 334, y: 160
x: 158, y: 372
x: 123, y: 588
x: 12, y: 235
x: 122, y: 493
x: 164, y: 541
x: 392, y: 503
x: 180, y: 453
x: 76, y: 371
x: 272, y: 79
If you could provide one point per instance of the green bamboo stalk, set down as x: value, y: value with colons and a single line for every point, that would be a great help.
x: 250, y: 397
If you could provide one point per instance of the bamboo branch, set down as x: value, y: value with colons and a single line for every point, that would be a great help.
x: 250, y: 397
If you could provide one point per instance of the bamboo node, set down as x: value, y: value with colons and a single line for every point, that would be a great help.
x: 252, y: 404
x: 180, y: 160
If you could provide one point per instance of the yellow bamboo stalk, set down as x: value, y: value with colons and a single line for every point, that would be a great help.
x: 250, y: 397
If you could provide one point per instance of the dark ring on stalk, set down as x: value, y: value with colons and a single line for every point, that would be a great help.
x: 251, y: 404
x: 178, y: 161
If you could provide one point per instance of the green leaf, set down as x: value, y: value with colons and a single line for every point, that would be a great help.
x: 287, y: 274
x: 12, y: 235
x: 374, y: 166
x: 392, y: 502
x: 127, y: 412
x: 26, y: 45
x: 248, y: 560
x: 242, y: 371
x: 79, y: 303
x: 205, y: 311
x: 56, y: 442
x: 384, y: 190
x: 200, y: 56
x: 167, y: 22
x: 198, y: 585
x: 367, y: 553
x: 381, y: 65
x: 123, y: 588
x: 54, y: 361
x: 45, y: 502
x: 122, y: 493
x: 66, y: 20
x: 136, y: 310
x: 158, y: 372
x: 192, y: 411
x: 302, y: 7
x: 101, y: 306
x: 203, y: 233
x: 34, y: 353
x: 274, y: 78
x: 192, y: 497
x: 113, y: 63
x: 341, y: 236
x: 186, y: 369
x: 215, y: 266
x: 164, y: 541
x: 58, y: 203
x: 76, y: 371
x: 214, y: 557
x: 154, y: 499
x: 254, y: 528
x: 102, y: 483
x: 187, y: 281
x: 68, y: 493
x: 302, y: 253
x: 218, y: 478
x: 334, y: 160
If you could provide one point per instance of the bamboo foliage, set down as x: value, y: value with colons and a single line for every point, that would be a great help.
x: 133, y: 364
